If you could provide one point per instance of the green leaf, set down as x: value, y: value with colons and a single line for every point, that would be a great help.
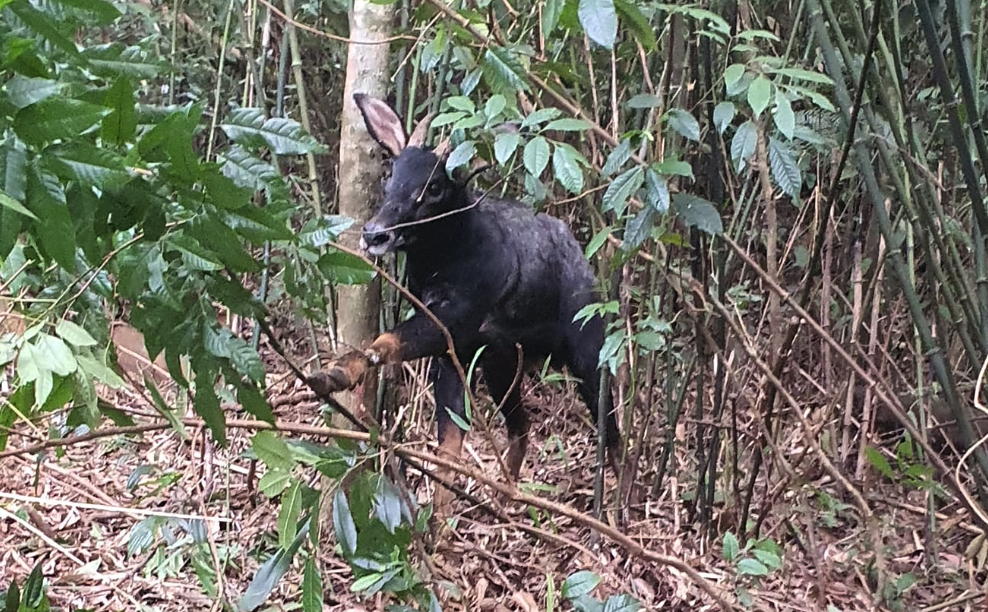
x: 657, y: 191
x: 387, y: 504
x: 345, y: 269
x: 461, y: 155
x: 495, y: 105
x: 751, y: 567
x: 684, y: 123
x: 618, y: 157
x: 551, y: 11
x: 461, y: 103
x: 104, y: 11
x: 14, y: 205
x: 43, y: 26
x: 785, y: 119
x: 759, y: 93
x: 46, y: 199
x: 567, y: 125
x: 637, y: 24
x: 540, y: 116
x: 55, y: 355
x: 223, y: 241
x: 291, y: 507
x: 622, y: 603
x: 503, y: 72
x: 599, y: 21
x: 733, y: 74
x: 785, y: 170
x: 743, y: 145
x: 57, y: 118
x: 115, y: 59
x: 207, y: 406
x: 767, y: 557
x: 622, y: 188
x: 282, y: 136
x: 343, y: 525
x: 312, y: 593
x: 270, y: 573
x: 817, y: 98
x: 121, y: 124
x: 24, y: 91
x: 723, y: 115
x: 804, y: 75
x: 505, y: 145
x: 699, y: 213
x: 579, y: 583
x: 566, y: 168
x: 731, y: 546
x: 639, y: 228
x: 74, y: 334
x: 447, y: 118
x: 100, y: 372
x: 254, y: 403
x: 536, y: 155
x: 365, y: 582
x: 89, y: 165
x: 272, y: 450
x: 879, y: 462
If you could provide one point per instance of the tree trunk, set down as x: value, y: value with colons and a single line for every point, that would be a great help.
x: 360, y: 175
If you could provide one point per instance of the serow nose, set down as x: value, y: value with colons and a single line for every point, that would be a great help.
x: 374, y: 237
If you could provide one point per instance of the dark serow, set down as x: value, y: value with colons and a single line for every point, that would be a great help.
x: 494, y: 272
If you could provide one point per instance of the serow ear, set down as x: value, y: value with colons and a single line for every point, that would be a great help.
x: 382, y: 123
x: 417, y: 139
x: 442, y: 149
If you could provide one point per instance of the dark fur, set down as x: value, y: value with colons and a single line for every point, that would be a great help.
x: 495, y: 273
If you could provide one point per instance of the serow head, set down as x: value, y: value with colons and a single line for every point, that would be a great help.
x: 418, y: 189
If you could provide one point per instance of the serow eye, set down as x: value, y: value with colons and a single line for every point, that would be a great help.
x: 435, y: 190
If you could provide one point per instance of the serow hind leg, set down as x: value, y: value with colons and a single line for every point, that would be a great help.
x: 499, y: 371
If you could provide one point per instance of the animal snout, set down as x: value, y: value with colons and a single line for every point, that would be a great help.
x: 376, y: 238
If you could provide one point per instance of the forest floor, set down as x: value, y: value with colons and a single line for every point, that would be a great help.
x: 84, y: 537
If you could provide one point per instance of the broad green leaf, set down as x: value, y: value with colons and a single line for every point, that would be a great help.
x: 637, y: 24
x: 768, y: 558
x: 785, y: 119
x: 879, y: 462
x: 291, y: 507
x: 743, y: 145
x: 723, y: 115
x: 657, y: 191
x: 579, y: 583
x: 751, y: 567
x: 622, y: 603
x: 115, y: 59
x: 503, y: 72
x: 254, y: 403
x: 89, y: 165
x: 804, y: 75
x: 55, y: 355
x: 223, y: 241
x: 599, y: 21
x: 272, y: 450
x: 540, y: 116
x: 536, y: 155
x: 684, y: 123
x: 621, y: 188
x: 461, y: 103
x: 104, y: 11
x: 46, y: 199
x: 101, y: 372
x: 120, y: 125
x: 733, y: 74
x: 567, y: 125
x: 43, y: 25
x: 387, y: 504
x: 759, y: 93
x: 14, y: 205
x: 365, y: 582
x: 343, y: 525
x: 247, y: 170
x: 784, y: 168
x: 817, y: 98
x: 551, y: 11
x: 312, y: 593
x: 461, y: 155
x: 495, y: 105
x: 731, y: 546
x: 505, y: 145
x: 57, y: 118
x: 283, y: 136
x: 618, y: 157
x: 74, y: 334
x: 699, y: 213
x: 567, y: 168
x: 255, y: 224
x: 345, y: 269
x: 447, y: 118
x: 23, y: 91
x: 639, y: 228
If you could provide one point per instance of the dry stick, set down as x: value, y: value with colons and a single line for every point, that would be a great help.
x: 877, y: 386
